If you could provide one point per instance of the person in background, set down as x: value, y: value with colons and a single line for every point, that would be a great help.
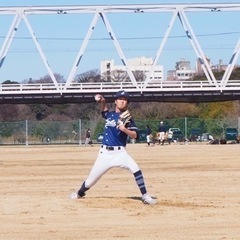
x: 169, y: 136
x: 148, y: 135
x: 161, y: 133
x: 211, y: 139
x: 88, y: 139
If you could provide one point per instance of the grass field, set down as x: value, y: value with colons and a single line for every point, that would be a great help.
x: 197, y: 187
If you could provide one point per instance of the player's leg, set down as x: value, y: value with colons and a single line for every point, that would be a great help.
x: 100, y: 167
x: 146, y: 198
x: 148, y: 140
x: 124, y: 160
x: 86, y: 141
x: 162, y: 137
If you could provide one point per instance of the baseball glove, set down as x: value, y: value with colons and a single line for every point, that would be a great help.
x: 124, y: 119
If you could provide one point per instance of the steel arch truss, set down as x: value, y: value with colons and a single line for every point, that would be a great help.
x: 100, y: 13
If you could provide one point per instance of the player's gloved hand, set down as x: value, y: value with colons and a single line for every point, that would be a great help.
x: 124, y: 119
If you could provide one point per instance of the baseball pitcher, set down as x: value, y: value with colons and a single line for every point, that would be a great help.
x: 119, y: 124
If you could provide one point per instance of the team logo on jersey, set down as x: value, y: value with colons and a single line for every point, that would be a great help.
x: 110, y: 123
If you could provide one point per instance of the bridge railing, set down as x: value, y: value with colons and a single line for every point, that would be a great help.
x: 233, y: 84
x: 24, y: 88
x: 35, y: 88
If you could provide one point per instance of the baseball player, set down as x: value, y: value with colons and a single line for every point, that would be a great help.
x: 148, y: 135
x: 88, y: 139
x: 161, y: 133
x: 119, y: 124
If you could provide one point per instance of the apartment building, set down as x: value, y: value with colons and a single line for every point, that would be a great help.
x: 140, y: 67
x: 182, y: 71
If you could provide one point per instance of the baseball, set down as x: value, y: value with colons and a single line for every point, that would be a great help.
x: 97, y: 98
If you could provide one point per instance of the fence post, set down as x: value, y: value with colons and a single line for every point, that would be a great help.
x: 80, y: 131
x: 238, y: 125
x: 185, y: 122
x: 26, y: 132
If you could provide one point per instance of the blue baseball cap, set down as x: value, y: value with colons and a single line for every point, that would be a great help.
x: 122, y: 93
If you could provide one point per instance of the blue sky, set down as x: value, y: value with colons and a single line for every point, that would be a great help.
x: 139, y: 35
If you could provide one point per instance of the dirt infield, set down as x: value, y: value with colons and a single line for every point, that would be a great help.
x: 197, y: 186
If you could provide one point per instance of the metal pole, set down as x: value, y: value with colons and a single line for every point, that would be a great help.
x: 238, y: 125
x: 185, y: 128
x: 26, y: 132
x: 80, y: 130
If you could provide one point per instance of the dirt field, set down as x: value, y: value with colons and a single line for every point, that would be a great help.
x: 197, y: 186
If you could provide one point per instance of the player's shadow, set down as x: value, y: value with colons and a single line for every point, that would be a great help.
x: 132, y: 198
x: 135, y: 198
x: 138, y: 198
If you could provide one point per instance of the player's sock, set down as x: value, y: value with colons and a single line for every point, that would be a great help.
x: 140, y: 181
x: 82, y: 190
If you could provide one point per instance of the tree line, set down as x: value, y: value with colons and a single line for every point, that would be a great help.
x: 148, y: 111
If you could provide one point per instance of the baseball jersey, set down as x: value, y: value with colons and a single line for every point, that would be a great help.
x: 161, y: 128
x: 112, y: 135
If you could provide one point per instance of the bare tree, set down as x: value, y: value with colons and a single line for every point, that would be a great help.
x: 115, y: 76
x: 140, y: 76
x: 46, y: 79
x: 90, y: 76
x: 122, y: 76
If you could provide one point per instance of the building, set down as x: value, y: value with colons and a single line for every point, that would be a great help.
x: 215, y: 68
x: 139, y: 66
x: 182, y: 71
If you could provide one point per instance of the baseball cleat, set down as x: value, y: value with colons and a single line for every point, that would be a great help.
x: 147, y: 199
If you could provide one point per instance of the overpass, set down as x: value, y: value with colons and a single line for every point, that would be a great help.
x: 211, y: 89
x: 182, y: 91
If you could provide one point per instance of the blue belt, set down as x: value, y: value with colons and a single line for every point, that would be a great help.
x: 111, y: 148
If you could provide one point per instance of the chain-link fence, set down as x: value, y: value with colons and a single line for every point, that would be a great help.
x: 43, y: 132
x: 73, y: 132
x: 215, y: 127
